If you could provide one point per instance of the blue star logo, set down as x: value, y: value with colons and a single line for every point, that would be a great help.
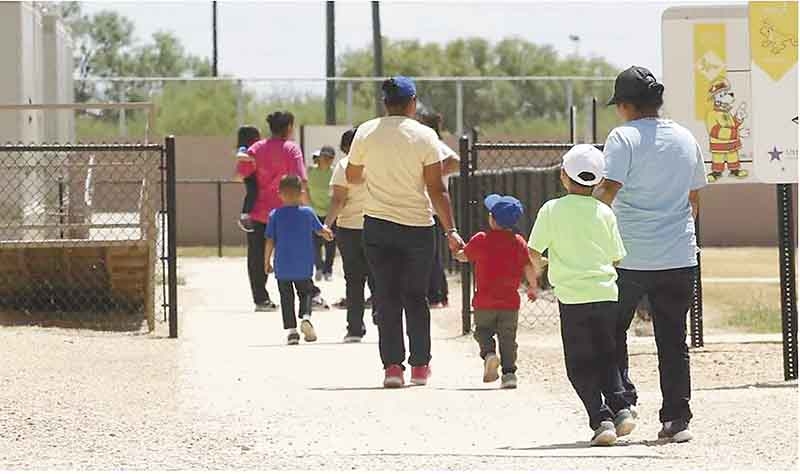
x: 775, y: 154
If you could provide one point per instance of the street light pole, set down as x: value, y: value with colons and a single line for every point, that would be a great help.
x: 377, y: 48
x: 330, y: 64
x: 214, y: 39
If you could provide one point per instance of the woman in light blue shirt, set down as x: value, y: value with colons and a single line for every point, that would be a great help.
x: 654, y: 170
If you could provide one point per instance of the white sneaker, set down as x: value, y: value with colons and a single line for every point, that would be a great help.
x: 308, y: 330
x: 318, y: 275
x: 351, y: 339
x: 509, y: 381
x: 490, y: 366
x: 328, y: 276
x: 604, y: 435
x: 634, y: 412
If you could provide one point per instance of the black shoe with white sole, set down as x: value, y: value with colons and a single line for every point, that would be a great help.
x: 293, y: 339
x: 676, y: 431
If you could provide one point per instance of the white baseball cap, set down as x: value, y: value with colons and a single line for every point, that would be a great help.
x: 585, y: 160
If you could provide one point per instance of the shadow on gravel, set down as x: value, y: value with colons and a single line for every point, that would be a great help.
x: 791, y: 384
x: 358, y: 389
x: 586, y: 445
x: 261, y: 346
x: 471, y: 389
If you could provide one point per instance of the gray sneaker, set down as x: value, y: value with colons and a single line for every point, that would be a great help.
x: 509, y: 381
x: 624, y: 422
x: 352, y: 339
x: 293, y: 339
x: 676, y: 431
x: 604, y: 435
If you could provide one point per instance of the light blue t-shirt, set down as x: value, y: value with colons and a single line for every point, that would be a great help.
x: 658, y: 163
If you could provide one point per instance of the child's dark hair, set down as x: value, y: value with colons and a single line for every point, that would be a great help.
x: 279, y: 122
x: 432, y: 120
x: 247, y: 135
x: 394, y: 103
x: 347, y: 140
x: 290, y: 183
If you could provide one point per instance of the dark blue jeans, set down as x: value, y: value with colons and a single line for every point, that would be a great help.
x: 400, y: 258
x: 670, y: 296
x: 356, y: 274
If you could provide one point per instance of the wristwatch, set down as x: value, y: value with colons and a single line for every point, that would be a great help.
x: 450, y: 231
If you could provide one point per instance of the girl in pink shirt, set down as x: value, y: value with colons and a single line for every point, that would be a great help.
x: 273, y: 158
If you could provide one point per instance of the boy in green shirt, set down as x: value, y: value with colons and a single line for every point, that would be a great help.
x: 319, y: 192
x: 583, y: 243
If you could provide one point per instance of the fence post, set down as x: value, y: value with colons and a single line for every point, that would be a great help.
x: 466, y: 270
x: 594, y: 119
x: 349, y: 102
x: 696, y: 309
x: 239, y: 102
x: 219, y: 218
x: 788, y: 281
x: 459, y: 108
x: 123, y: 126
x: 570, y: 100
x: 572, y: 126
x: 172, y: 247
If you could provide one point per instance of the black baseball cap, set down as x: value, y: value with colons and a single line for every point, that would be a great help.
x: 632, y: 84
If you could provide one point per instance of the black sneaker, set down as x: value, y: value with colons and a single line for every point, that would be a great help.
x: 293, y: 339
x: 676, y: 431
x: 266, y: 307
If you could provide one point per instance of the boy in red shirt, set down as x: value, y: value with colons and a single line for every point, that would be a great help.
x: 501, y: 259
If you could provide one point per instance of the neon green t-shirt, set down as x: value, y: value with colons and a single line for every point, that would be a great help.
x: 581, y: 237
x: 319, y: 191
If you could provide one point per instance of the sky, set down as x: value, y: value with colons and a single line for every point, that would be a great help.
x: 287, y: 39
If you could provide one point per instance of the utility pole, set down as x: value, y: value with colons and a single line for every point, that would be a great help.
x: 214, y: 39
x: 377, y: 48
x: 330, y: 69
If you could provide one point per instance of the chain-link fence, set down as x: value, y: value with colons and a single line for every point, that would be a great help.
x: 528, y: 171
x: 533, y: 108
x: 82, y: 235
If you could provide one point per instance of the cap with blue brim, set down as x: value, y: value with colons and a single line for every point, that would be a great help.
x: 506, y: 210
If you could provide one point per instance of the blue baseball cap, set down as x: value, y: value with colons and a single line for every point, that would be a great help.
x: 399, y: 87
x: 506, y: 210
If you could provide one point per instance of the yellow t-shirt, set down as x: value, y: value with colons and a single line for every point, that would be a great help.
x: 352, y: 214
x: 393, y: 151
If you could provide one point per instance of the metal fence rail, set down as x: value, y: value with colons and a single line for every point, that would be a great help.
x: 82, y: 234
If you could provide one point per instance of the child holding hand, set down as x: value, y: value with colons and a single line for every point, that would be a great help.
x: 290, y: 235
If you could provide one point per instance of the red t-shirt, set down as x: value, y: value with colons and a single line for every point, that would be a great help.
x: 499, y: 257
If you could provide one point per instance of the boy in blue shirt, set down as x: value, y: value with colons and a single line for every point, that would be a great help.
x: 290, y: 233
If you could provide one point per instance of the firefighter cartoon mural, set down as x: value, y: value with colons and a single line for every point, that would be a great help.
x: 725, y: 130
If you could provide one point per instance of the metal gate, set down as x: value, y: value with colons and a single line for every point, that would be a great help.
x: 530, y: 172
x: 87, y: 235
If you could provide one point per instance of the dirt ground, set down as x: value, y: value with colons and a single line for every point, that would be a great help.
x: 230, y: 395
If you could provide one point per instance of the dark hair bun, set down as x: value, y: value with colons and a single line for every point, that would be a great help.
x: 655, y: 89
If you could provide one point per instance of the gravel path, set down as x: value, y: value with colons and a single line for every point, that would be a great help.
x: 228, y: 394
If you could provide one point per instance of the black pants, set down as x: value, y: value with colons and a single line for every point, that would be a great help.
x: 324, y: 264
x: 437, y: 288
x: 304, y: 288
x: 250, y: 193
x: 255, y: 263
x: 587, y: 332
x: 400, y: 258
x: 356, y: 273
x: 670, y: 294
